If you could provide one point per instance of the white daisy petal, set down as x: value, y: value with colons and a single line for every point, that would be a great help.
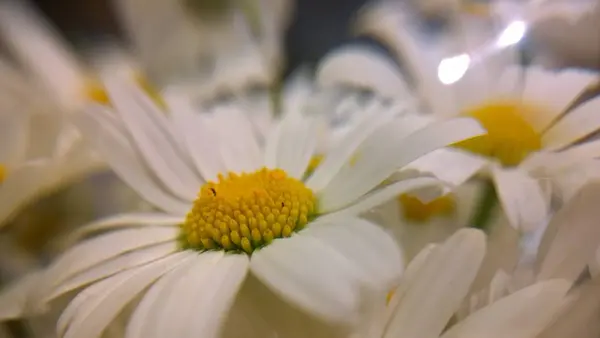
x: 296, y: 92
x: 198, y: 137
x: 40, y: 49
x: 120, y: 263
x: 145, y: 316
x: 104, y: 247
x: 363, y: 68
x: 99, y: 309
x: 297, y: 144
x: 440, y: 286
x: 566, y: 87
x: 523, y: 200
x: 178, y: 300
x: 147, y: 126
x: 386, y: 151
x: 572, y: 238
x: 311, y: 275
x: 523, y: 314
x: 130, y: 220
x: 123, y: 158
x: 336, y: 158
x: 450, y: 165
x: 369, y: 247
x: 380, y: 196
x: 214, y: 298
x: 410, y: 275
x: 238, y: 144
x: 576, y: 125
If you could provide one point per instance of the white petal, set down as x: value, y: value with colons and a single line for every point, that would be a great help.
x: 523, y: 200
x: 523, y: 314
x: 99, y: 249
x: 14, y: 297
x: 146, y: 315
x: 115, y: 147
x: 99, y: 309
x: 295, y: 143
x: 410, y: 275
x: 566, y: 87
x: 366, y: 245
x: 363, y: 68
x: 237, y: 142
x: 578, y: 123
x: 310, y: 275
x: 213, y: 299
x: 439, y: 288
x: 199, y: 138
x: 380, y: 196
x: 449, y: 165
x: 572, y: 238
x: 41, y: 50
x: 120, y: 263
x: 387, y: 151
x: 336, y: 158
x: 132, y: 220
x: 147, y: 126
x: 296, y: 92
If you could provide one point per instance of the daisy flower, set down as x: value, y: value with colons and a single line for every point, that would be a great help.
x: 238, y: 43
x: 43, y: 85
x: 435, y: 284
x: 527, y: 111
x: 254, y: 213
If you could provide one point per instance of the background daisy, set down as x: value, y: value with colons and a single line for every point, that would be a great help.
x: 514, y: 106
x: 207, y: 46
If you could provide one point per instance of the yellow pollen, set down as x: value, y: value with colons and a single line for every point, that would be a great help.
x: 416, y: 211
x: 243, y: 212
x: 3, y: 173
x: 509, y: 139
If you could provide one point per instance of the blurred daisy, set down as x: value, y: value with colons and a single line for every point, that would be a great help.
x: 425, y: 302
x: 208, y: 46
x: 527, y: 112
x: 254, y: 213
x: 42, y: 86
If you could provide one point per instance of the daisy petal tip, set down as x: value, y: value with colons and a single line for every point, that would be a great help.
x: 472, y: 237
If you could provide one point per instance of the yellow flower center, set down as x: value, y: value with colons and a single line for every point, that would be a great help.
x: 509, y: 138
x: 247, y: 211
x: 3, y: 173
x: 417, y: 211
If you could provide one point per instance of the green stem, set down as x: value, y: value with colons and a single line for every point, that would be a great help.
x: 485, y: 207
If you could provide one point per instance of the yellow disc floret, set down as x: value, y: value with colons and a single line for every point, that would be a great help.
x: 510, y: 137
x: 417, y: 211
x: 243, y: 212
